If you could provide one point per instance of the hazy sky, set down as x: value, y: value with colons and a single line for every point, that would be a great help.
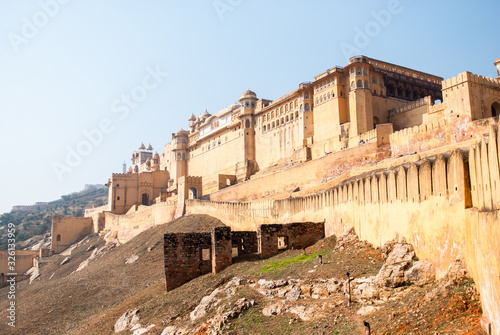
x: 84, y: 82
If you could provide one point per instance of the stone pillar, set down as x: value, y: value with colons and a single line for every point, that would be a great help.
x: 222, y: 255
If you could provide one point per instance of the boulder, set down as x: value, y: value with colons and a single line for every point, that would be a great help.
x: 66, y: 260
x: 392, y: 273
x: 127, y: 320
x: 275, y: 308
x: 421, y: 273
x: 293, y: 294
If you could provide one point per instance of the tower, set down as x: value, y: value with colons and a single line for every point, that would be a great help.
x: 360, y: 96
x: 247, y: 101
x: 179, y: 155
x: 124, y: 167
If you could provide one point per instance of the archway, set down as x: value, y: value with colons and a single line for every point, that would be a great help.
x: 58, y: 238
x: 145, y: 199
x: 193, y: 193
x: 375, y: 121
x: 495, y: 109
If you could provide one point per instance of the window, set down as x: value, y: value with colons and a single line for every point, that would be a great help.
x: 117, y: 198
x: 58, y: 238
x: 306, y: 95
x: 264, y: 127
x: 360, y: 84
x: 358, y: 71
x: 308, y: 108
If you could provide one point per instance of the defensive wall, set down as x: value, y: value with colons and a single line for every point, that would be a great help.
x: 446, y: 204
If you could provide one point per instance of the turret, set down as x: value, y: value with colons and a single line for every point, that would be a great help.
x: 497, y: 64
x: 248, y: 101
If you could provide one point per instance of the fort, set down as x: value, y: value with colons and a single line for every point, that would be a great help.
x: 383, y: 149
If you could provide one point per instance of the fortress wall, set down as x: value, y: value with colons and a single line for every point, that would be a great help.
x: 307, y: 174
x: 125, y: 227
x: 437, y: 134
x: 24, y: 260
x: 428, y: 203
x: 89, y: 212
x: 67, y: 230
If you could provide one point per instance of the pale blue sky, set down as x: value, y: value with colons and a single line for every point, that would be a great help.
x: 62, y: 78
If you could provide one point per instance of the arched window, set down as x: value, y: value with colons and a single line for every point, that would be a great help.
x: 307, y: 108
x: 247, y: 123
x: 400, y: 92
x: 264, y: 127
x: 352, y: 70
x: 286, y: 108
x: 329, y: 96
x: 306, y: 95
x: 365, y: 71
x: 282, y: 121
x: 358, y: 71
x: 287, y: 119
x: 183, y: 156
x: 179, y: 155
x: 274, y: 124
x: 296, y: 114
x: 58, y: 238
x: 366, y: 83
x: 360, y: 84
x: 333, y: 94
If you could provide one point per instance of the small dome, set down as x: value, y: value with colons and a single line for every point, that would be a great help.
x: 181, y: 132
x: 142, y: 147
x: 248, y: 95
x: 205, y: 115
x: 156, y: 155
x: 150, y: 148
x: 234, y: 106
x: 192, y: 118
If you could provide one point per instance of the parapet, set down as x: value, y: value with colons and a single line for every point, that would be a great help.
x: 474, y: 78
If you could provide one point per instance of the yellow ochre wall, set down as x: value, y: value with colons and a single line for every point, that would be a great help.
x: 70, y: 229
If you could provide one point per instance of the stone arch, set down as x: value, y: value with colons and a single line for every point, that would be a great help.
x: 58, y: 238
x: 193, y: 193
x: 495, y: 109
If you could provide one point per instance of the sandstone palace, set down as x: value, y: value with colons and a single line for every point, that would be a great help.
x: 381, y: 148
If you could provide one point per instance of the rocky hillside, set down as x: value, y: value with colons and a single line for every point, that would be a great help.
x: 32, y: 227
x: 107, y: 288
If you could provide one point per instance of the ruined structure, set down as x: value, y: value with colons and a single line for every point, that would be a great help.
x: 372, y: 145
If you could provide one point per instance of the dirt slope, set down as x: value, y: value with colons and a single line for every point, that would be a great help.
x: 90, y: 301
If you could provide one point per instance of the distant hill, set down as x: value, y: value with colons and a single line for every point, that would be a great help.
x: 35, y: 220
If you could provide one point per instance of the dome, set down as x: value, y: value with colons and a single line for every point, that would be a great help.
x: 181, y: 132
x: 142, y: 147
x: 192, y: 118
x: 150, y: 147
x: 205, y: 115
x: 234, y: 106
x: 248, y: 95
